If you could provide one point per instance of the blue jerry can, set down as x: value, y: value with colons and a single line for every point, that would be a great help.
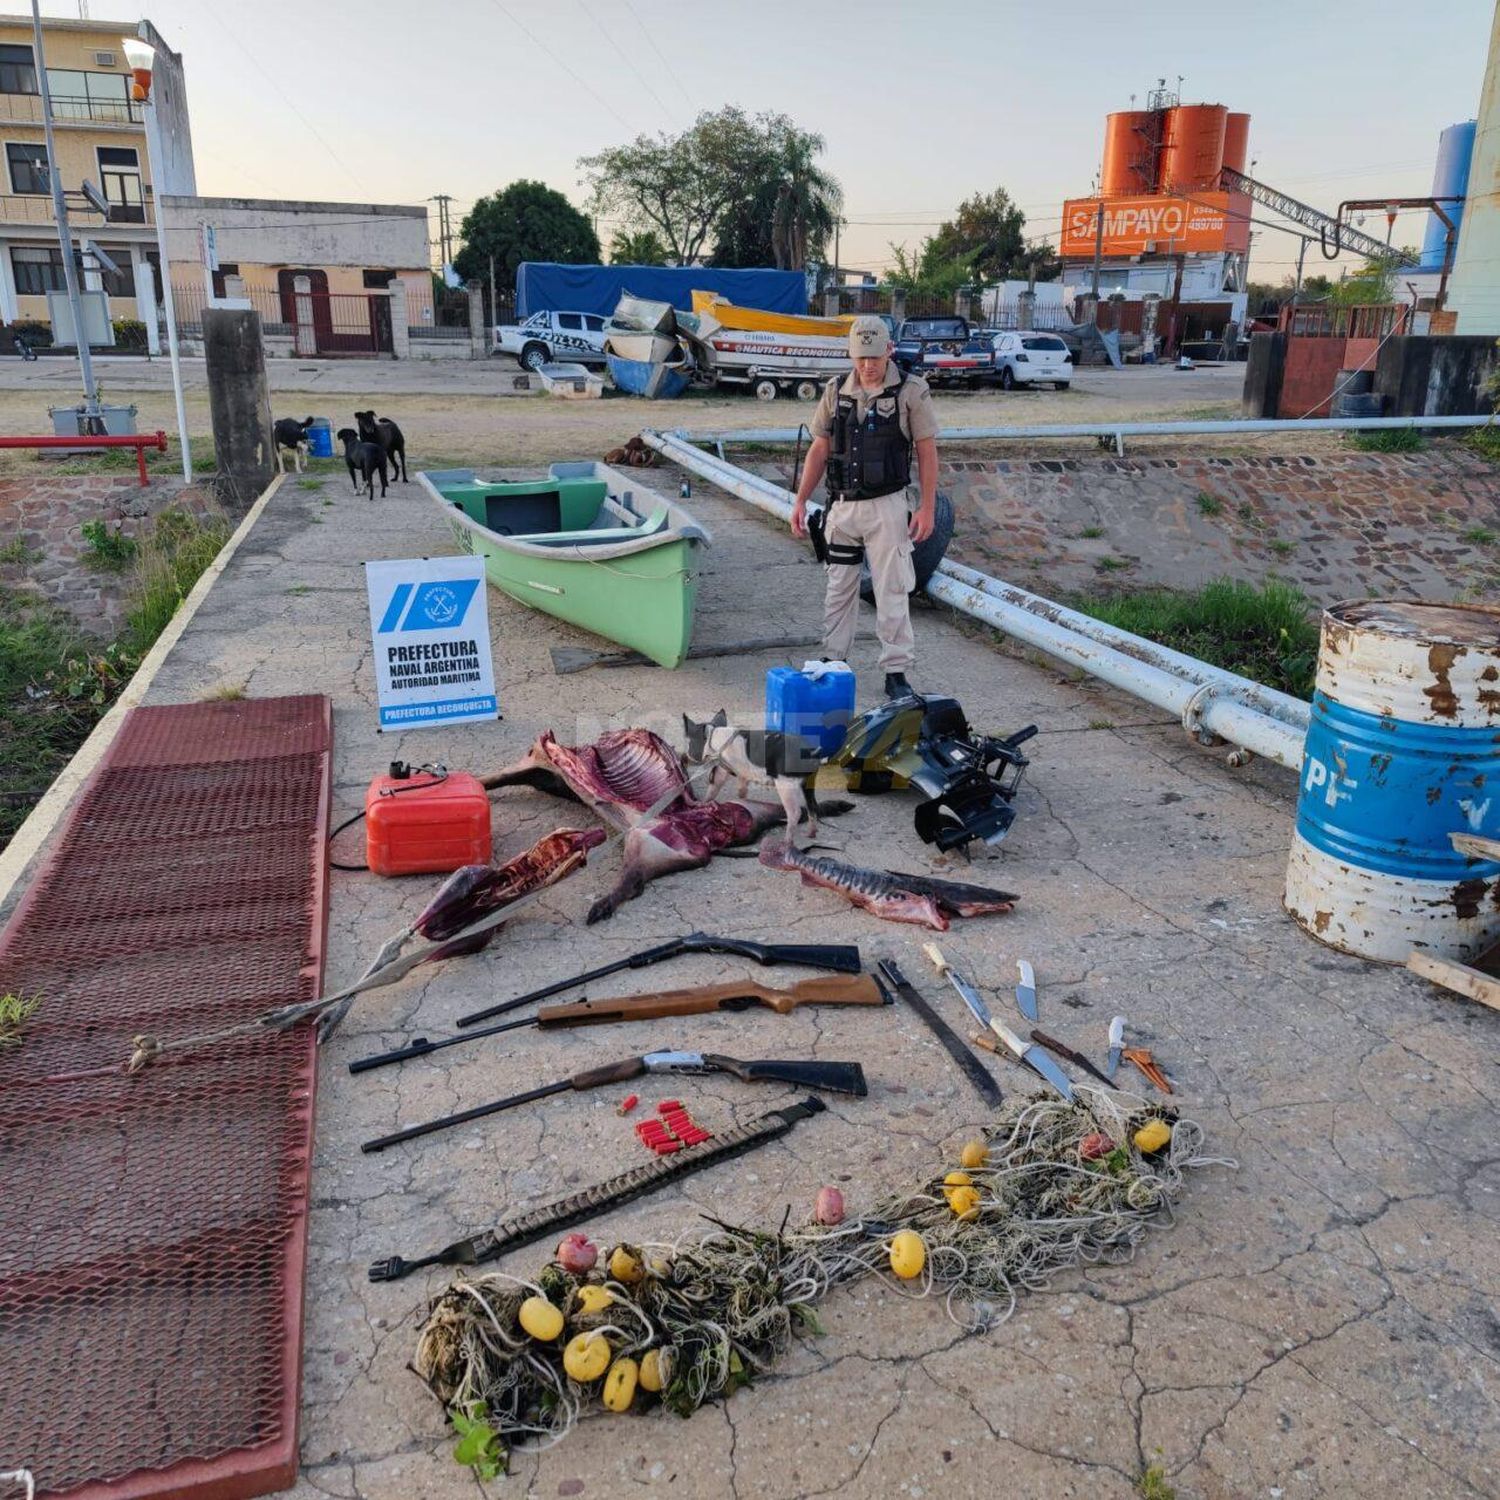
x: 816, y: 708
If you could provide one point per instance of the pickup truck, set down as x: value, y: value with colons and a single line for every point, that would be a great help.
x: 548, y: 336
x: 945, y: 350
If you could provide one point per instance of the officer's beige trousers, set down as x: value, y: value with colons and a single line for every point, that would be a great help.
x: 880, y: 527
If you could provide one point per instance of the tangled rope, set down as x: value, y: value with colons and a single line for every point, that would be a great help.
x: 720, y: 1306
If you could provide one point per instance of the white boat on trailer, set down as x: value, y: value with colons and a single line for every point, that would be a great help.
x: 770, y: 363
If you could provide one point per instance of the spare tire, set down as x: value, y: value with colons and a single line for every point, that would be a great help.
x: 925, y: 556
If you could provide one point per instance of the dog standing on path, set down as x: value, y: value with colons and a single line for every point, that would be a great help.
x: 383, y: 431
x: 291, y: 437
x: 365, y: 460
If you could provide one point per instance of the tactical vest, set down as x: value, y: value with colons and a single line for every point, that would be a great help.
x: 872, y: 457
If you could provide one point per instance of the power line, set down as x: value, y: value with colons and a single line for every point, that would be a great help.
x: 343, y: 166
x: 620, y: 51
x: 651, y: 42
x: 541, y: 46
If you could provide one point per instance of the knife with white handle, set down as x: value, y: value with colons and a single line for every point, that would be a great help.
x: 1028, y: 1052
x: 1116, y: 1046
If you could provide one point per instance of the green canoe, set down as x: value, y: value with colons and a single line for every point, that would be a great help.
x: 588, y: 544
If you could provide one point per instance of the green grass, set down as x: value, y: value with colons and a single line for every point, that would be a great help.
x: 15, y: 552
x: 1389, y: 440
x: 1485, y: 441
x: 1268, y: 634
x: 106, y: 549
x: 1209, y: 505
x: 46, y: 711
x: 56, y: 682
x: 172, y: 559
x: 1283, y: 548
x: 1153, y: 1485
x: 1101, y: 723
x: 15, y: 1011
x: 1480, y: 536
x: 309, y: 484
x: 1112, y: 564
x: 1092, y: 533
x: 226, y: 692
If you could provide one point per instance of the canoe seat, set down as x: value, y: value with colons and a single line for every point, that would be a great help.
x: 597, y: 535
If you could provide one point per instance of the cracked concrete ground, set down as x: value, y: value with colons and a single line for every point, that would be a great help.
x: 1320, y: 1321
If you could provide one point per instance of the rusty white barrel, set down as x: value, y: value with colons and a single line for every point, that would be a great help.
x: 1403, y: 751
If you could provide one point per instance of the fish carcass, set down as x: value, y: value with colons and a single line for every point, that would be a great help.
x: 634, y: 780
x: 918, y: 899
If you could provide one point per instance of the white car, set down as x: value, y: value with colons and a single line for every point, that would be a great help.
x: 546, y: 337
x: 1032, y: 359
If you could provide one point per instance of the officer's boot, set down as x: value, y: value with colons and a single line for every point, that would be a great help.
x: 896, y: 686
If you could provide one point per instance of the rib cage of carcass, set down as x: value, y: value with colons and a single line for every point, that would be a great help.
x: 634, y: 780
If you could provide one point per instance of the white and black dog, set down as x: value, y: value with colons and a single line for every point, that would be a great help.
x: 747, y: 755
x: 291, y: 437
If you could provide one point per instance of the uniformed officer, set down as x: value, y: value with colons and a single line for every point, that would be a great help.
x: 863, y: 434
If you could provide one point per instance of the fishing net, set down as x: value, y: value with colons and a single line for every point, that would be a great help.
x: 1063, y: 1185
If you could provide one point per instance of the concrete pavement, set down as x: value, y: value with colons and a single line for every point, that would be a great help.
x: 1320, y: 1321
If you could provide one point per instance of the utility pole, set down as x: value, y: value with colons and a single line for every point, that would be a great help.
x: 64, y: 233
x: 838, y: 279
x: 494, y: 310
x: 1098, y: 256
x: 445, y: 226
x: 1297, y: 289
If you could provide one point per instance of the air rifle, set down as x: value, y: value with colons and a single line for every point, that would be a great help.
x: 835, y: 1077
x: 840, y: 959
x: 734, y: 994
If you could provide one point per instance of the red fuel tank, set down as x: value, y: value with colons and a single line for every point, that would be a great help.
x: 424, y: 824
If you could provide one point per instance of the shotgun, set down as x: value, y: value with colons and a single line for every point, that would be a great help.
x: 841, y: 959
x: 835, y: 1077
x: 735, y: 994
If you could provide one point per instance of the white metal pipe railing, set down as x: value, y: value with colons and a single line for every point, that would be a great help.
x: 1125, y: 429
x: 1209, y: 700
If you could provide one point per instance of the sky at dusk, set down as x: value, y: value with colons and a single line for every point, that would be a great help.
x: 921, y: 104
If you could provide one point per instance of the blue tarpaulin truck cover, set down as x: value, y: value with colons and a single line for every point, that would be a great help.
x: 544, y: 286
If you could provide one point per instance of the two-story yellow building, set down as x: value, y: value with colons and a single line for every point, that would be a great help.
x: 100, y: 136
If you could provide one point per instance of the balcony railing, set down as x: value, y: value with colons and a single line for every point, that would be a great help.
x: 26, y: 109
x: 36, y: 208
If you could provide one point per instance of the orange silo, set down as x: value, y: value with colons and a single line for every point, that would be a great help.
x: 1194, y: 151
x: 1237, y: 142
x: 1129, y: 157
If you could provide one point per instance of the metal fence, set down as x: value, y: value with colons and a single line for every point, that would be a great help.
x: 334, y: 324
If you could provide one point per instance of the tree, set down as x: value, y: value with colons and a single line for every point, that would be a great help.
x: 987, y: 231
x: 643, y: 248
x: 922, y: 272
x: 525, y: 221
x: 749, y: 187
x: 1373, y: 282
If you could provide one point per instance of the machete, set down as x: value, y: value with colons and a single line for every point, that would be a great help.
x: 953, y: 1044
x: 1028, y: 1052
x: 1069, y: 1054
x: 841, y: 959
x: 835, y: 1077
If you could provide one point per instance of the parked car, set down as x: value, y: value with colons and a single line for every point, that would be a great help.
x: 1032, y: 359
x: 548, y: 336
x: 945, y: 350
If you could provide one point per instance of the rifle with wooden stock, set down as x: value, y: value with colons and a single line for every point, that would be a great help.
x: 732, y: 995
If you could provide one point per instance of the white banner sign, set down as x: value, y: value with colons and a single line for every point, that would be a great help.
x: 429, y: 620
x: 209, y: 246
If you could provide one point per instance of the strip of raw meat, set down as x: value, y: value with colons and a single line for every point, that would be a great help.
x: 470, y: 892
x: 917, y: 899
x: 682, y: 839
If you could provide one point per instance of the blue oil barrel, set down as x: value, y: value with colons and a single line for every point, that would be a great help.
x: 1403, y: 751
x: 817, y: 708
x: 320, y: 439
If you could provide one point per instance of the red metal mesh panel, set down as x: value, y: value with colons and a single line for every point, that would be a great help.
x: 152, y: 1227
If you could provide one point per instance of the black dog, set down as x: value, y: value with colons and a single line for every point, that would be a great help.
x: 384, y: 432
x: 291, y: 436
x: 365, y: 460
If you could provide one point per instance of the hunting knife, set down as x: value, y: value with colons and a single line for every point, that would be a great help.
x: 1028, y: 1052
